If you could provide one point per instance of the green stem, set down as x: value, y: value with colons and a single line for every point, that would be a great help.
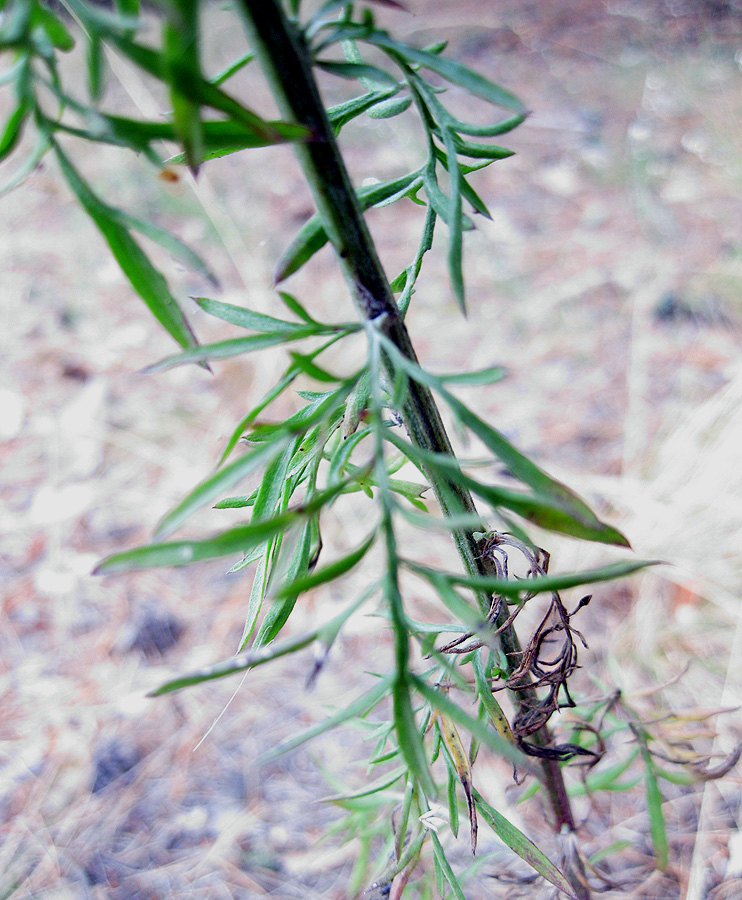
x: 287, y: 65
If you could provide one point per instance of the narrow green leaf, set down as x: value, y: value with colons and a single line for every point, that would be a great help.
x: 227, y: 349
x: 258, y: 588
x: 326, y: 407
x: 257, y: 657
x: 603, y: 779
x: 375, y: 788
x: 239, y: 663
x: 274, y: 486
x: 445, y: 867
x: 94, y: 59
x: 329, y: 572
x: 146, y: 280
x: 455, y: 225
x: 313, y: 370
x: 364, y: 704
x: 222, y: 480
x: 371, y: 75
x: 449, y: 69
x: 174, y: 246
x: 390, y: 108
x: 55, y: 29
x: 343, y: 113
x: 247, y: 560
x: 539, y: 585
x: 408, y: 735
x: 312, y: 236
x: 656, y: 816
x: 477, y: 150
x: 467, y: 191
x: 13, y: 130
x: 520, y: 844
x: 439, y: 201
x: 292, y: 304
x: 233, y: 68
x: 519, y: 465
x: 529, y: 473
x: 242, y: 502
x: 445, y: 120
x: 239, y: 539
x: 43, y: 145
x: 254, y: 321
x: 476, y: 377
x: 453, y: 802
x: 282, y: 607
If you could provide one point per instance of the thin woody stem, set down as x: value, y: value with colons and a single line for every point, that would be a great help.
x: 286, y: 63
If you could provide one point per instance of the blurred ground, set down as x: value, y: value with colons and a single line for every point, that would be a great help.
x: 608, y: 282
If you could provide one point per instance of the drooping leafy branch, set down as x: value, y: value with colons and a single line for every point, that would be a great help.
x: 347, y: 437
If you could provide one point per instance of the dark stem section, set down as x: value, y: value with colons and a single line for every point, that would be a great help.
x: 286, y: 63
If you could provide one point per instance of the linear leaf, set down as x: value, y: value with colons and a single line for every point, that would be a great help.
x: 376, y: 787
x: 455, y: 224
x: 180, y: 553
x: 166, y: 240
x: 210, y: 95
x: 490, y: 375
x: 257, y: 657
x: 520, y: 844
x: 282, y: 607
x: 329, y: 572
x: 146, y: 280
x: 312, y: 236
x: 343, y: 113
x: 222, y: 480
x: 310, y: 368
x: 360, y: 707
x: 446, y: 120
x: 239, y: 539
x: 43, y: 145
x: 55, y: 29
x: 390, y: 108
x: 13, y: 130
x: 519, y: 465
x: 656, y: 815
x: 408, y: 734
x: 357, y: 71
x: 477, y: 150
x: 445, y: 866
x: 227, y: 349
x: 529, y: 473
x: 242, y: 502
x: 247, y: 318
x: 233, y: 68
x: 539, y: 585
x: 452, y: 71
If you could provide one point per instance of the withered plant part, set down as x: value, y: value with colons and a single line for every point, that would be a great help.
x: 539, y: 664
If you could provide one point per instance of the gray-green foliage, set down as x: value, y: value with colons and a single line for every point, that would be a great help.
x: 346, y: 437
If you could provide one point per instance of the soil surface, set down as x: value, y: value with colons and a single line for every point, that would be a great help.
x: 607, y: 281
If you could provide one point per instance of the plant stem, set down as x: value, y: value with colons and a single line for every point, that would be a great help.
x: 286, y: 63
